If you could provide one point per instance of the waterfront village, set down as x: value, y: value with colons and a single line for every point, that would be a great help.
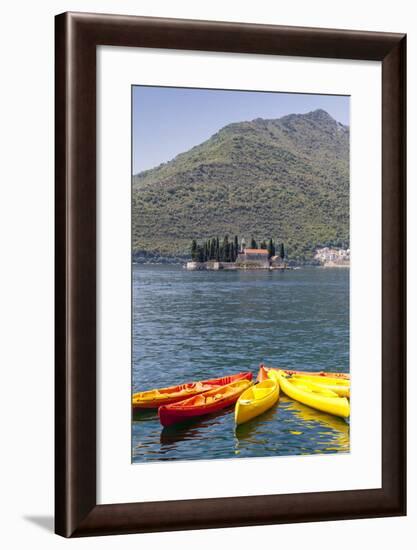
x: 333, y: 257
x: 215, y: 255
x: 231, y: 254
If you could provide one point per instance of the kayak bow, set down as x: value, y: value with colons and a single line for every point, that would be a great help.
x: 256, y: 400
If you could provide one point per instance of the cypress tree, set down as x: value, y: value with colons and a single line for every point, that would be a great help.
x: 213, y: 250
x: 271, y: 248
x: 253, y: 243
x: 194, y: 250
x: 282, y: 251
x: 225, y: 254
x: 236, y: 246
x: 263, y: 245
x: 217, y: 254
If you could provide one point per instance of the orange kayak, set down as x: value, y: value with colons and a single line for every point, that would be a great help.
x: 263, y: 373
x: 152, y: 399
x: 205, y: 403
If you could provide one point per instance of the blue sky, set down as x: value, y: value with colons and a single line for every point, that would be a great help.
x: 169, y: 121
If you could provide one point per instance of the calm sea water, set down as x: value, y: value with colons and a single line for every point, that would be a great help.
x: 191, y: 325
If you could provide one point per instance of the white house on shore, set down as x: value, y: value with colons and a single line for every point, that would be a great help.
x: 329, y: 256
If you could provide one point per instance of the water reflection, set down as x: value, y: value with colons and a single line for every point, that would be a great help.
x: 144, y: 415
x: 292, y: 428
x: 337, y: 428
x: 193, y: 429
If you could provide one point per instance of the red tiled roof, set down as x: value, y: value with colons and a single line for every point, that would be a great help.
x: 255, y: 251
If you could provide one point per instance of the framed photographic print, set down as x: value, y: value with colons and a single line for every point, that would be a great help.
x: 206, y: 306
x: 230, y: 274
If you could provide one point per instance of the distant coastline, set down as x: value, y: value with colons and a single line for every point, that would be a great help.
x: 217, y: 266
x: 326, y: 257
x: 153, y: 258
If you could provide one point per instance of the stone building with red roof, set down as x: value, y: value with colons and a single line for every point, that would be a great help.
x: 253, y: 257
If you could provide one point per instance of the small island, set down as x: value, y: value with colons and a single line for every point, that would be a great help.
x: 214, y: 255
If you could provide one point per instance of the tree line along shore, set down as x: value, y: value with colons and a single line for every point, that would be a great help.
x: 229, y: 250
x: 214, y: 254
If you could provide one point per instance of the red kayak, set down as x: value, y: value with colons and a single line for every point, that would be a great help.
x: 204, y: 403
x: 152, y: 399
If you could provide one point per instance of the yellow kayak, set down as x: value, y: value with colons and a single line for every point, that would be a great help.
x: 337, y: 385
x: 321, y: 399
x: 256, y: 400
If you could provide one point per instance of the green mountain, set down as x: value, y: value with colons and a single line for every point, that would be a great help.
x: 285, y: 178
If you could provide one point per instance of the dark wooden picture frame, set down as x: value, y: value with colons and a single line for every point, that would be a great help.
x: 76, y: 510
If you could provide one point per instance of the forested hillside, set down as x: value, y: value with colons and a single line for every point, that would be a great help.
x: 285, y: 178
